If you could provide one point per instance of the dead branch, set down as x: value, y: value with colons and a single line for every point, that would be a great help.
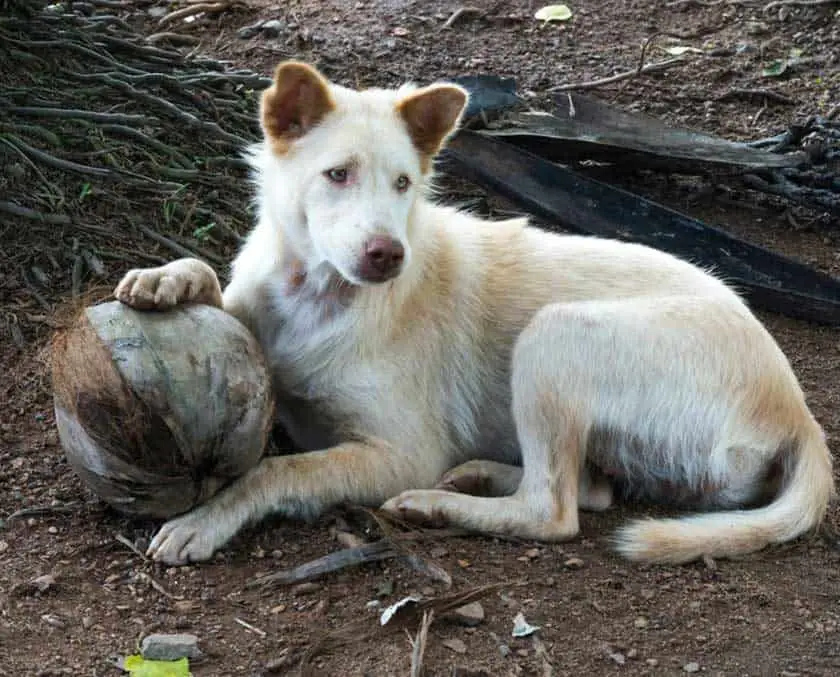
x: 458, y: 14
x: 193, y: 9
x: 765, y: 94
x: 770, y: 6
x: 648, y: 68
x: 418, y: 644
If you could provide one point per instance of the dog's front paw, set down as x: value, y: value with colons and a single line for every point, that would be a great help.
x: 419, y: 507
x: 165, y: 287
x: 193, y: 537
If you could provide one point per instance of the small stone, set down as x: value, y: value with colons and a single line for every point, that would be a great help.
x: 533, y: 553
x: 87, y: 622
x: 522, y: 653
x: 470, y: 614
x: 53, y: 620
x: 3, y: 547
x: 691, y: 667
x: 306, y: 588
x: 618, y: 658
x: 641, y: 622
x: 438, y: 552
x: 53, y: 530
x: 279, y: 609
x: 321, y: 607
x: 573, y: 563
x: 756, y: 28
x: 504, y: 649
x: 249, y: 31
x: 652, y: 662
x: 162, y: 647
x: 273, y: 28
x: 157, y: 12
x: 455, y: 644
x: 633, y: 654
x: 385, y: 588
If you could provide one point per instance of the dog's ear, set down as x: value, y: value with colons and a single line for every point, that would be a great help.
x: 296, y: 102
x: 432, y: 114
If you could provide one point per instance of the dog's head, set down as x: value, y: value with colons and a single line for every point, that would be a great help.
x: 340, y: 170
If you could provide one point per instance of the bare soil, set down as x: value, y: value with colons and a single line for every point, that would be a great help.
x: 774, y: 613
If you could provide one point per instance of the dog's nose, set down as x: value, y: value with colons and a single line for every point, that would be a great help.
x: 383, y: 257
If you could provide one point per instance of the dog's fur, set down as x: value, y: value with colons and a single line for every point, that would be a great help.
x: 592, y: 361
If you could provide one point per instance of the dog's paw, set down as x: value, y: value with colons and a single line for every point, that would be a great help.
x: 165, y: 287
x: 419, y: 507
x: 193, y: 537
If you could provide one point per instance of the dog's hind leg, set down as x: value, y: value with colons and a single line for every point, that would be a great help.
x: 481, y: 477
x: 545, y: 503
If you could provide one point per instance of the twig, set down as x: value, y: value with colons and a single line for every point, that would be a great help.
x: 418, y: 644
x: 157, y: 586
x: 192, y: 10
x: 173, y: 246
x: 58, y: 163
x: 248, y: 626
x: 34, y: 215
x: 335, y: 561
x: 174, y: 38
x: 70, y: 114
x: 458, y: 14
x: 128, y: 544
x: 798, y: 3
x: 649, y: 68
x: 746, y: 93
x: 39, y: 511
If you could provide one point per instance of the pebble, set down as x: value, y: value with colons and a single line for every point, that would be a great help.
x: 652, y: 662
x: 504, y: 649
x: 438, y: 552
x: 53, y: 530
x: 455, y: 644
x: 470, y: 614
x: 4, y: 546
x: 618, y: 658
x: 573, y: 563
x: 273, y: 28
x: 691, y: 667
x: 306, y: 588
x: 162, y: 647
x: 641, y: 622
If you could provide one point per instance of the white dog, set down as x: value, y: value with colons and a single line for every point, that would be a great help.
x: 408, y: 339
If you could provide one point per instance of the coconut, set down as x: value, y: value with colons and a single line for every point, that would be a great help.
x: 156, y: 411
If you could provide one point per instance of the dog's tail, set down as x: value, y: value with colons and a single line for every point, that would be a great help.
x: 806, y: 489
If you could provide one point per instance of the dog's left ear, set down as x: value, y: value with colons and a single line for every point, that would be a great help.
x: 432, y: 115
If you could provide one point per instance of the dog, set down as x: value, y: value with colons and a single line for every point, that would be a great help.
x: 487, y: 375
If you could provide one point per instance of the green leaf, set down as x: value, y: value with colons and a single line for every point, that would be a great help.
x: 775, y: 68
x: 137, y: 666
x: 553, y: 13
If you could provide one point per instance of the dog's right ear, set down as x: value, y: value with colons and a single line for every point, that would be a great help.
x: 296, y: 102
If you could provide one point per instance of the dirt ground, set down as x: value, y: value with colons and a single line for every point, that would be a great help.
x: 775, y: 613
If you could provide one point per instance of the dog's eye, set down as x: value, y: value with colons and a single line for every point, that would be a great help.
x: 402, y: 184
x: 337, y: 174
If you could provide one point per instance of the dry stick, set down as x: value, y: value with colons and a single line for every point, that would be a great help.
x: 768, y: 94
x: 418, y: 644
x: 178, y: 249
x: 174, y: 38
x: 341, y: 559
x: 460, y: 13
x: 356, y: 631
x: 192, y: 10
x: 798, y: 3
x: 649, y: 68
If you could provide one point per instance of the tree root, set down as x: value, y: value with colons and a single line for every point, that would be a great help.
x: 118, y: 151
